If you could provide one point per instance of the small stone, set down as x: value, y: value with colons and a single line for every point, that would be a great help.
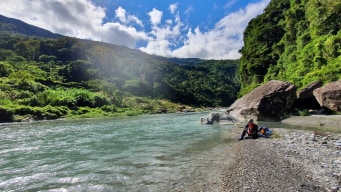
x: 337, y: 174
x: 338, y: 143
x: 334, y: 186
x: 333, y: 138
x: 302, y: 137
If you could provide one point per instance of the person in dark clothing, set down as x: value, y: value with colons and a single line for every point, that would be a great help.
x: 251, y: 129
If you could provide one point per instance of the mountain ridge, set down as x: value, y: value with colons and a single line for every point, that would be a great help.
x: 48, y: 78
x: 11, y: 25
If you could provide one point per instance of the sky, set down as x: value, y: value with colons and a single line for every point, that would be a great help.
x: 205, y: 29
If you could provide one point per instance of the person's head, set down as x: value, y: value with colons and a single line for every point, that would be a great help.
x: 250, y: 121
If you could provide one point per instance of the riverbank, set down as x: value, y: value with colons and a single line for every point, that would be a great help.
x: 294, y: 160
x: 320, y: 121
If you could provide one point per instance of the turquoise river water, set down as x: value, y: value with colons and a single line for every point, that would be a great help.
x: 165, y: 152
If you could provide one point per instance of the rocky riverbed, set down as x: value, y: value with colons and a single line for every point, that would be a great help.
x: 292, y: 160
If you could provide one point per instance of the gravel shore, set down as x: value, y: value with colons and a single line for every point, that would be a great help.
x: 292, y: 160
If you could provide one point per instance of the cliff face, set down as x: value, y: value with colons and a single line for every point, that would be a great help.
x: 298, y: 41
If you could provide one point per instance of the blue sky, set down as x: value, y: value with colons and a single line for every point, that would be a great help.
x: 187, y: 29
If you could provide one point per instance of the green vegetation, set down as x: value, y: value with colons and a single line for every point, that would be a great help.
x: 46, y: 76
x: 52, y: 78
x: 298, y: 41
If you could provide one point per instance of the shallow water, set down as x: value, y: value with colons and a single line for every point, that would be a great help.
x: 143, y: 153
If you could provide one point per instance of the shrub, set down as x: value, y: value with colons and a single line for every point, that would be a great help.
x: 23, y: 110
x: 109, y: 108
x: 58, y: 111
x: 303, y: 113
x: 47, y: 112
x: 100, y: 101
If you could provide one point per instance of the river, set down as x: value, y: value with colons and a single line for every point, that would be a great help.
x: 165, y: 152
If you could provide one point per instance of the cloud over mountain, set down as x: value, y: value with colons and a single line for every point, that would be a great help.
x: 151, y: 31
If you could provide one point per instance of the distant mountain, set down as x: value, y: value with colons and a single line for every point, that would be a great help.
x: 69, y: 74
x: 186, y: 61
x: 14, y: 26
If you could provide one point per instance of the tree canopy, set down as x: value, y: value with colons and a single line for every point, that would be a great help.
x: 298, y: 41
x: 51, y: 78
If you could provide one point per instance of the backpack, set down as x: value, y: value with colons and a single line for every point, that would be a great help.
x: 264, y: 131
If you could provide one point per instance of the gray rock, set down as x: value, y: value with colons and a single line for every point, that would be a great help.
x: 306, y: 99
x: 28, y: 119
x: 329, y: 96
x: 338, y: 143
x: 266, y: 103
x: 307, y: 92
x: 218, y: 117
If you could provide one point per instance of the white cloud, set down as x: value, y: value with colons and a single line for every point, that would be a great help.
x: 116, y: 33
x: 230, y: 4
x: 173, y: 8
x: 171, y: 37
x: 155, y: 16
x: 121, y: 14
x: 189, y: 10
x: 79, y: 18
x: 165, y: 37
x: 221, y: 42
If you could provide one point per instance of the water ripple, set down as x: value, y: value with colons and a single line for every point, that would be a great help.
x: 141, y: 153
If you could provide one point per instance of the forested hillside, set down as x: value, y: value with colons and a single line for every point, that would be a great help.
x: 47, y: 78
x: 14, y: 26
x: 298, y: 41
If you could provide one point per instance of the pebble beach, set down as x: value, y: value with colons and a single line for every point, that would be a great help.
x: 290, y: 160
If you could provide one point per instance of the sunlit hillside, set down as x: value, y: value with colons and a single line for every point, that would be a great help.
x: 46, y: 78
x: 297, y: 41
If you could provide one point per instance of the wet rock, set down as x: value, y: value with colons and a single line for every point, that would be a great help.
x: 28, y: 119
x: 218, y: 117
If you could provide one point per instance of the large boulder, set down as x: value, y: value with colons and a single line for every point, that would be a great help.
x: 305, y: 97
x: 213, y: 118
x: 307, y: 92
x: 218, y: 117
x: 265, y: 103
x: 329, y: 96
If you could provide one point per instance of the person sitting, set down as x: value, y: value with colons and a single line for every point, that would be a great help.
x: 251, y: 129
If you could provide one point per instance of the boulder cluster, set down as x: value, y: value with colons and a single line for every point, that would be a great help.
x: 270, y: 101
